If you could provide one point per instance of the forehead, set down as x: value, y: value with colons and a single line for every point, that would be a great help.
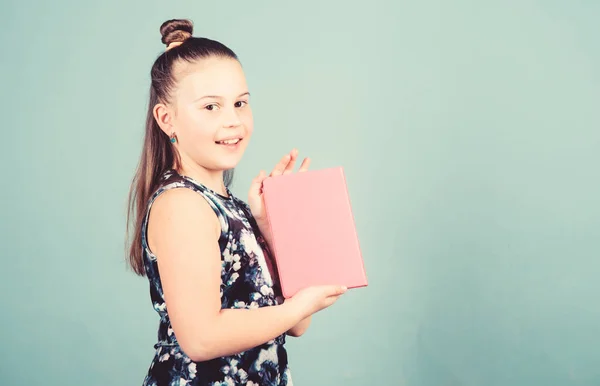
x: 211, y: 76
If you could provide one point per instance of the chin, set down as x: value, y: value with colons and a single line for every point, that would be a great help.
x: 223, y: 162
x: 227, y: 166
x: 230, y: 163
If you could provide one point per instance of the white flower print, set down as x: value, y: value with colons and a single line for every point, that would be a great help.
x: 239, y: 304
x: 269, y: 354
x: 233, y: 373
x: 192, y: 370
x: 249, y: 242
x: 242, y: 375
x: 233, y: 278
x: 247, y: 282
x: 227, y: 257
x: 266, y: 290
x: 231, y: 368
x: 228, y: 381
x: 236, y: 214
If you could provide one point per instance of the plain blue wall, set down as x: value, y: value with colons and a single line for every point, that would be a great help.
x: 469, y: 132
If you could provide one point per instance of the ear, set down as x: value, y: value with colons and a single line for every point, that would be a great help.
x: 164, y: 117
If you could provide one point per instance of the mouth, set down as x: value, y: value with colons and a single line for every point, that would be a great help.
x: 229, y: 142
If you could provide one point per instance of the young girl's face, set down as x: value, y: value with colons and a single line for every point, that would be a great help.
x: 213, y: 120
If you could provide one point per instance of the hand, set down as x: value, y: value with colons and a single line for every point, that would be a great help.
x: 314, y: 299
x: 255, y: 195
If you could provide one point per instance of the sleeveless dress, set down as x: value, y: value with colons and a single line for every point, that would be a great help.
x: 248, y: 280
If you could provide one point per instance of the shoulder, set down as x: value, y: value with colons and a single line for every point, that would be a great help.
x: 180, y: 206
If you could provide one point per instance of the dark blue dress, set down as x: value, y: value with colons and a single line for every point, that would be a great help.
x: 247, y: 281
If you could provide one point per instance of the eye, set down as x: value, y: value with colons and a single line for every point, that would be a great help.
x: 240, y: 103
x: 211, y: 107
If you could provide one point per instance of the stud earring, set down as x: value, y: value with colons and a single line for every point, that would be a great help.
x: 172, y: 138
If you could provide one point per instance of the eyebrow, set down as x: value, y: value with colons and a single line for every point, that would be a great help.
x: 220, y: 97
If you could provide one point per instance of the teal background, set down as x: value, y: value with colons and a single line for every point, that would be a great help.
x: 469, y: 132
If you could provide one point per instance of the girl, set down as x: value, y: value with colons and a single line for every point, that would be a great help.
x: 205, y: 252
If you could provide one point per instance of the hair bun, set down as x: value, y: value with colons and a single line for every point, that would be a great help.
x: 176, y: 30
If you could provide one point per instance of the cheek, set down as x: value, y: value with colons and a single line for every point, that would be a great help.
x: 198, y: 127
x: 201, y: 136
x: 248, y: 121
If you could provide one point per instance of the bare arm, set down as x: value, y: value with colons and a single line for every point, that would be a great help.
x: 300, y: 328
x: 183, y: 234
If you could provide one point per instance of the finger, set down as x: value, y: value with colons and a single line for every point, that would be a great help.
x: 256, y: 184
x: 305, y: 164
x: 280, y: 167
x: 290, y: 166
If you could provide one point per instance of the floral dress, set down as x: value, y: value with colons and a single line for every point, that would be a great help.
x: 247, y: 281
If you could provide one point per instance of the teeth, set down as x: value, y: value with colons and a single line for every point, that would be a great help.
x: 230, y: 141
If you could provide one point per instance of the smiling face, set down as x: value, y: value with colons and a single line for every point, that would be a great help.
x: 209, y: 113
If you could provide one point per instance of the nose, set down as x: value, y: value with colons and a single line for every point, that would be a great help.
x: 232, y: 119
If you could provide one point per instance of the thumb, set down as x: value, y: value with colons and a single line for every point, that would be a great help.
x: 334, y: 290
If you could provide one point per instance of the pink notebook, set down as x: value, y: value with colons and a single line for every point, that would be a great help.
x: 313, y: 231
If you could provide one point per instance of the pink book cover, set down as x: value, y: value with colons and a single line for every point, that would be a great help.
x: 313, y: 230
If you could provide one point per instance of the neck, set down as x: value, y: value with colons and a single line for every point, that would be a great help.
x: 212, y: 179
